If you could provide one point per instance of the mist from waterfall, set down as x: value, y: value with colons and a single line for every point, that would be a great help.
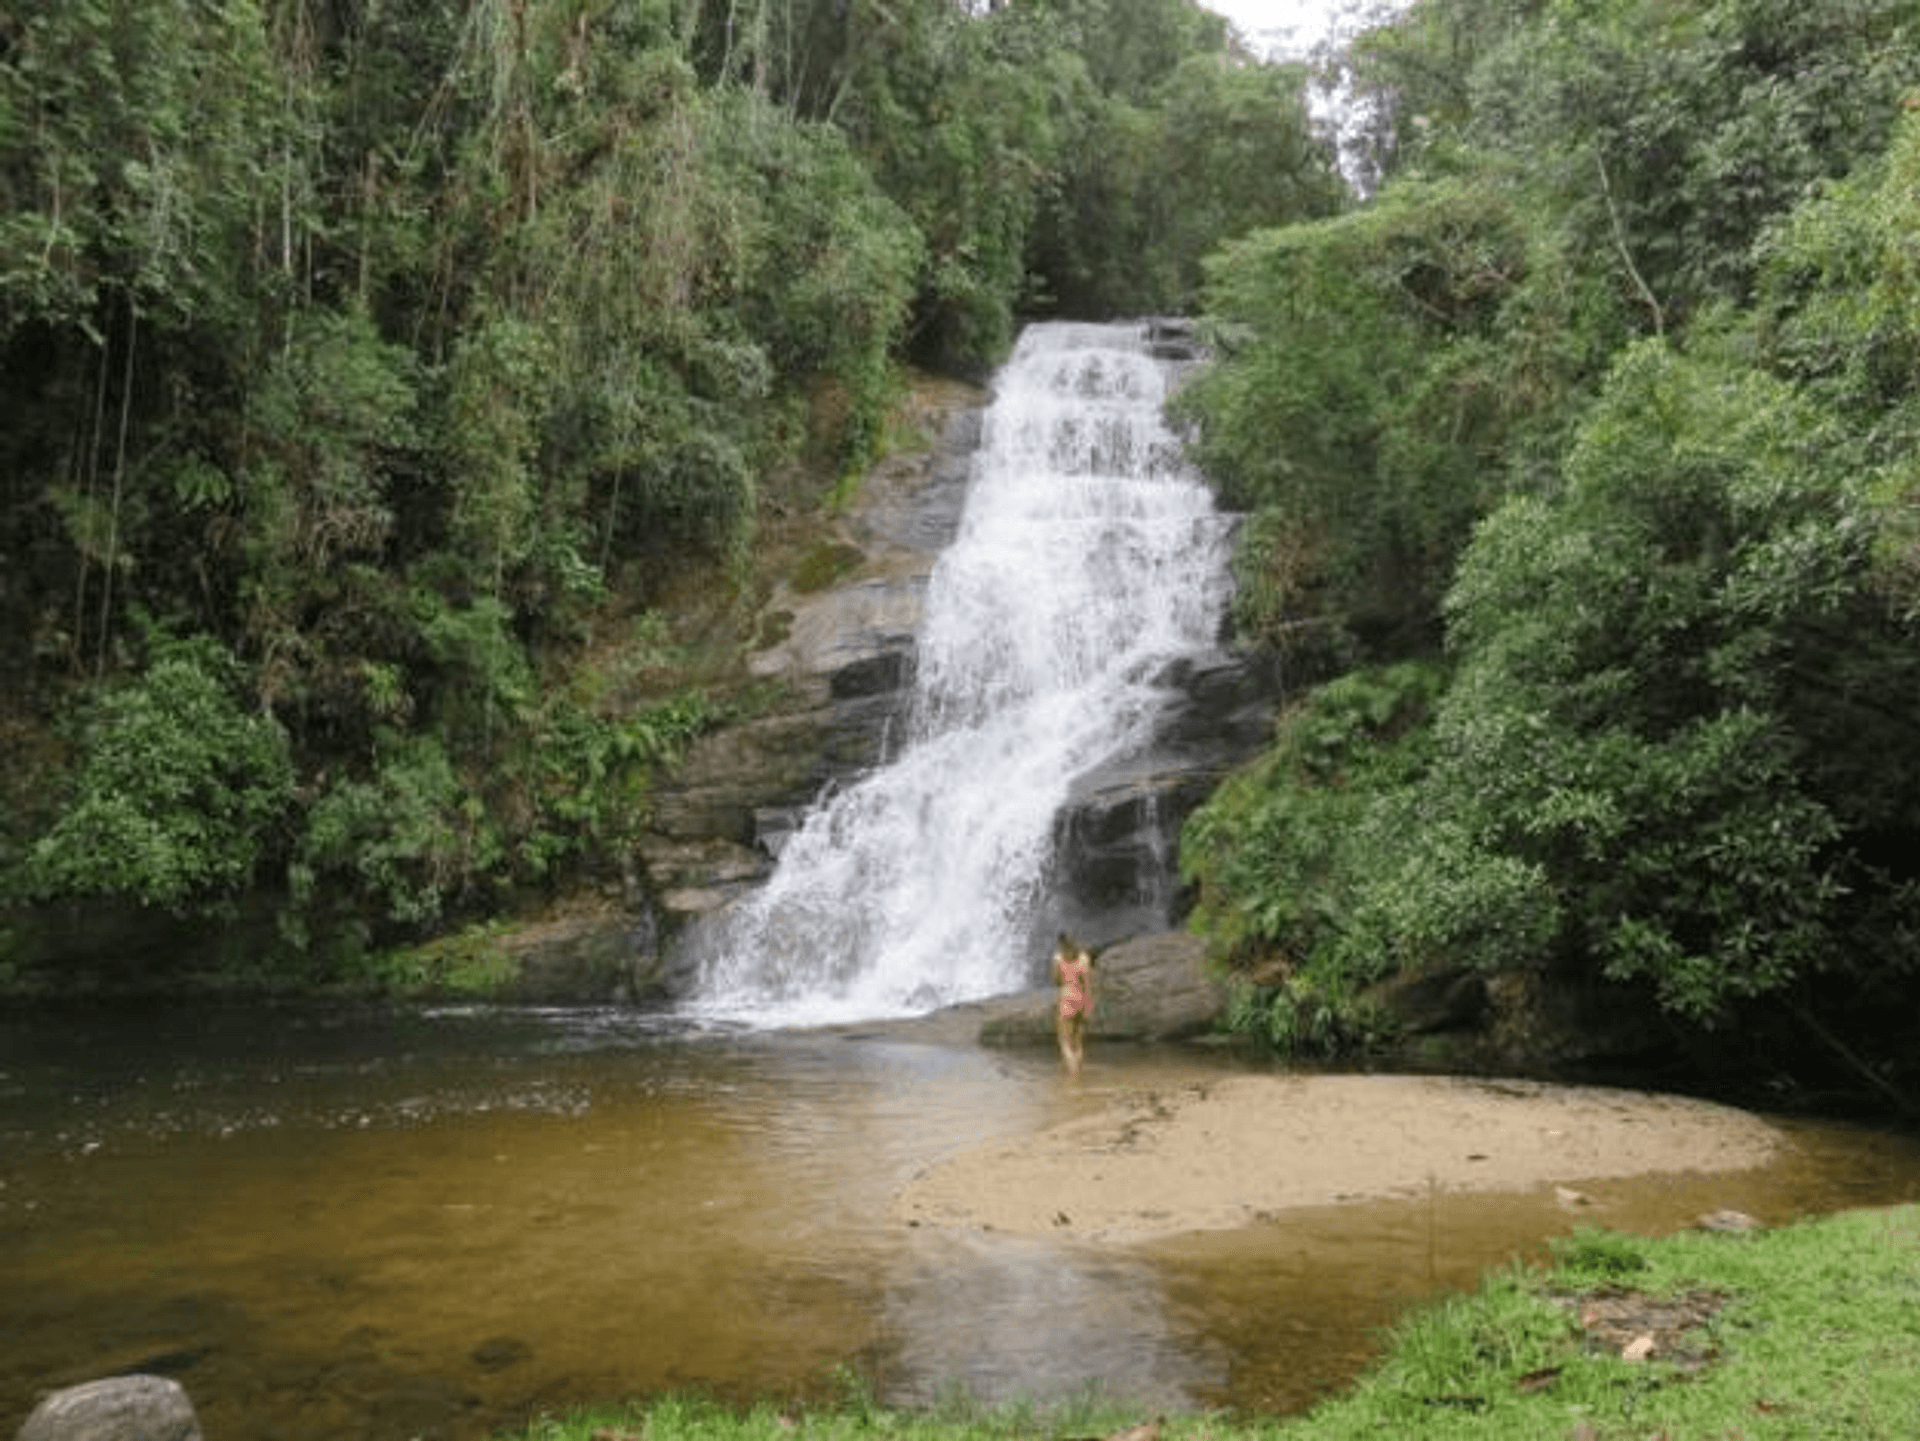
x: 1088, y: 557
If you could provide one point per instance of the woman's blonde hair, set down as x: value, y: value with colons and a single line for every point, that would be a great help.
x: 1071, y: 945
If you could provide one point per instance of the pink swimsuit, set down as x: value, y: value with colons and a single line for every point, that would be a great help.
x: 1075, y: 977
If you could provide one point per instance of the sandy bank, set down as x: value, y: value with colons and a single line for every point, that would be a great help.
x: 1223, y: 1153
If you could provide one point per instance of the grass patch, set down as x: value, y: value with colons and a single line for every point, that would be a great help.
x: 1811, y: 1330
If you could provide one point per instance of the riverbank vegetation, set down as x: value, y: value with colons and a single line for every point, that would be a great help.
x: 1581, y: 465
x: 403, y: 405
x: 1806, y: 1330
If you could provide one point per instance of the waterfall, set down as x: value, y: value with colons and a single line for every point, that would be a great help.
x: 1088, y: 557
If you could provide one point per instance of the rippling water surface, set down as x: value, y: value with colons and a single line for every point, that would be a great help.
x: 333, y: 1223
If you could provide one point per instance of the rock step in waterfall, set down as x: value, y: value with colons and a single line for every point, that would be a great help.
x: 1066, y: 704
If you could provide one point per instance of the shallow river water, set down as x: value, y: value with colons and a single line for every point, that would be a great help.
x: 330, y: 1223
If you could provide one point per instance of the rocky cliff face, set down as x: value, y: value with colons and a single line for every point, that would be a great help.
x: 1118, y: 838
x: 841, y: 658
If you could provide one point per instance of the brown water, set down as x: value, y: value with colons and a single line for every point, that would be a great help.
x: 330, y: 1224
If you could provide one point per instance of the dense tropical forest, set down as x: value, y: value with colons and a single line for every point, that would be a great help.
x: 378, y: 379
x: 1584, y: 465
x: 376, y: 375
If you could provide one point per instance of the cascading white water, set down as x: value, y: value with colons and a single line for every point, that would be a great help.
x: 1088, y: 556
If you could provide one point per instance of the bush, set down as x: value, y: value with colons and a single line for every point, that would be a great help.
x: 177, y: 794
x: 398, y: 845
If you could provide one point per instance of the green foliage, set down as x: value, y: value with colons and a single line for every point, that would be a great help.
x: 1282, y: 856
x: 835, y: 275
x: 960, y: 116
x: 317, y: 468
x: 499, y: 398
x: 179, y: 792
x: 469, y: 962
x: 824, y: 563
x: 768, y: 264
x: 1643, y: 691
x: 851, y: 1410
x: 1362, y: 404
x: 1676, y: 577
x: 1150, y: 182
x: 1235, y: 152
x: 379, y: 345
x: 1326, y: 1014
x: 391, y: 348
x: 1131, y: 48
x: 1638, y: 764
x: 582, y: 778
x: 398, y: 846
x: 1672, y: 136
x: 1424, y: 64
x: 1590, y: 1255
x: 419, y: 840
x: 1839, y: 314
x: 133, y: 140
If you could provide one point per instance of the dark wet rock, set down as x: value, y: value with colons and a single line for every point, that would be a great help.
x: 1536, y: 1023
x: 1221, y: 706
x: 1153, y: 988
x: 1157, y: 988
x: 1445, y: 1000
x: 599, y: 955
x: 118, y: 1408
x: 1637, y: 1326
x: 1174, y: 338
x: 1118, y: 836
x: 1116, y: 846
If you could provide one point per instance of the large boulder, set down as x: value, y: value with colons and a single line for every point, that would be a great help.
x: 118, y: 1408
x: 1149, y: 988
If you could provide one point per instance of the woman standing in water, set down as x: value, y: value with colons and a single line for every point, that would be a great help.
x: 1073, y: 974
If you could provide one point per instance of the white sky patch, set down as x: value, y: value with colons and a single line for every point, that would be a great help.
x: 1302, y: 30
x: 1292, y: 29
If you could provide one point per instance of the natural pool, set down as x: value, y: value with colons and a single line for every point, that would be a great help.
x: 344, y: 1222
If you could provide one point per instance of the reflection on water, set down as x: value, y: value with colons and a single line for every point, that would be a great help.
x: 1009, y: 1316
x: 331, y: 1223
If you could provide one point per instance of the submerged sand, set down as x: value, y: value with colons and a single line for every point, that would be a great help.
x: 1224, y: 1153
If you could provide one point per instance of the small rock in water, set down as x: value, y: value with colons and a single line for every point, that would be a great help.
x: 1737, y: 1221
x: 499, y: 1352
x: 118, y: 1408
